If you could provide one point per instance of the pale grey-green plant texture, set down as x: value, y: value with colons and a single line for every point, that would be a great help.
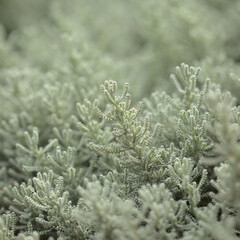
x: 119, y: 120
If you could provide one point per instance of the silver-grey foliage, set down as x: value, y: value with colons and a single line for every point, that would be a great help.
x: 152, y: 154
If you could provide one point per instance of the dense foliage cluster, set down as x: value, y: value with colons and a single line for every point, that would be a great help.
x: 106, y: 134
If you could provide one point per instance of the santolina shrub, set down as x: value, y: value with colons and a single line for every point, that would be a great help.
x: 106, y: 134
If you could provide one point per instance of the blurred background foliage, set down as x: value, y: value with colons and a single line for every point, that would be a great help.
x: 149, y: 37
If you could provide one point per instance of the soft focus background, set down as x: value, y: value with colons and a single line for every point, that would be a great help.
x: 147, y: 38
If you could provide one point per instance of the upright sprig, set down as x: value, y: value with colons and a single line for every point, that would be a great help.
x: 192, y: 133
x: 32, y: 157
x: 128, y: 131
x: 185, y: 80
x: 44, y: 205
x: 183, y: 181
x: 132, y: 137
